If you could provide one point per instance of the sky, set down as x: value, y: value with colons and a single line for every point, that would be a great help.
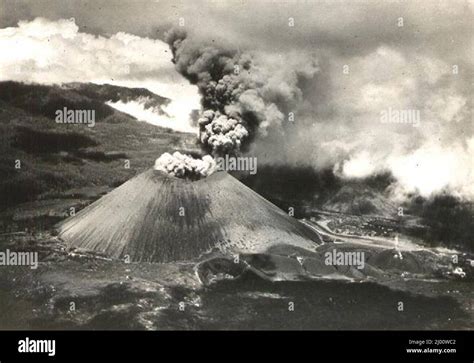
x: 371, y: 58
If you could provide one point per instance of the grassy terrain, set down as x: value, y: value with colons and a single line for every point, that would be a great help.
x: 54, y: 158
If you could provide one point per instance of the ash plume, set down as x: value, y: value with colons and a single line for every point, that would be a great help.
x: 185, y: 166
x: 223, y: 134
x: 241, y: 100
x: 247, y: 98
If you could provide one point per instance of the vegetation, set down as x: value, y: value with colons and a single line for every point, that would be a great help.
x: 56, y: 157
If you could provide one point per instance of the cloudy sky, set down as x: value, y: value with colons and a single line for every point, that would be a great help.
x: 368, y: 57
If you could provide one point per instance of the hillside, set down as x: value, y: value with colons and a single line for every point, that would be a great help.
x: 56, y: 158
x: 360, y: 200
x: 107, y: 92
x: 306, y: 189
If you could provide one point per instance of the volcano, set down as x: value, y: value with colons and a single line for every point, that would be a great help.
x: 155, y: 217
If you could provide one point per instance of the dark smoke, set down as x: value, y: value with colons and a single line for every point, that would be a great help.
x: 450, y: 220
x: 240, y: 99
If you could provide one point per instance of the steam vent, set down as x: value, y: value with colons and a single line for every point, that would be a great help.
x: 155, y: 217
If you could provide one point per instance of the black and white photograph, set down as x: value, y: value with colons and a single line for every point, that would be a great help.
x: 237, y: 165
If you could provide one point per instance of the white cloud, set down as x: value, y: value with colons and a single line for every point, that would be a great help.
x: 359, y: 166
x: 45, y: 51
x: 138, y: 110
x: 429, y: 158
x: 433, y: 168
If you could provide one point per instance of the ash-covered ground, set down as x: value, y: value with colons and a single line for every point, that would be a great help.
x: 284, y: 288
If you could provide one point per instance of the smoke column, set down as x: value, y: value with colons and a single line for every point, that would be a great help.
x: 240, y: 100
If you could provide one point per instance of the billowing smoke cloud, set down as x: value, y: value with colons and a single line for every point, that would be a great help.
x: 248, y: 97
x: 221, y: 133
x: 241, y: 99
x: 430, y: 154
x: 185, y: 166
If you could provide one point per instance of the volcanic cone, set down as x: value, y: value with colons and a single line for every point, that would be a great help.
x: 155, y: 217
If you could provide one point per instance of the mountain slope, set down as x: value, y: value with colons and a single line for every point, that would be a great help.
x: 158, y: 218
x: 360, y: 200
x: 107, y: 92
x: 56, y: 157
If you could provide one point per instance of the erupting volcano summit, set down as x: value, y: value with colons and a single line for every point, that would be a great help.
x: 155, y: 217
x: 184, y: 208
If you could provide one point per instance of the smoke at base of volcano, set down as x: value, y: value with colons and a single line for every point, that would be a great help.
x: 444, y: 219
